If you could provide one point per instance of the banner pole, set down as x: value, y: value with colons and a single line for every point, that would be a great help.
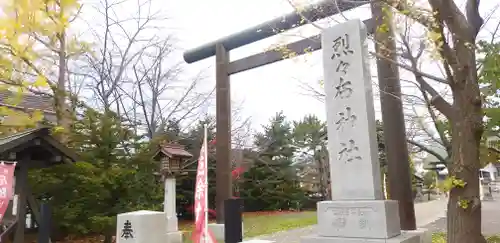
x: 205, y: 234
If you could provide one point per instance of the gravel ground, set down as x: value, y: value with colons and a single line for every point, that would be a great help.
x: 490, y: 218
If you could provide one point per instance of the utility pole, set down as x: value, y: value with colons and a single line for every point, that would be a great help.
x: 398, y: 164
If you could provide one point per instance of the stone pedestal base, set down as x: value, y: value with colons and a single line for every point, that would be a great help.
x: 370, y: 221
x: 424, y: 235
x: 172, y: 224
x: 217, y: 230
x: 403, y: 238
x: 377, y: 219
x: 173, y: 237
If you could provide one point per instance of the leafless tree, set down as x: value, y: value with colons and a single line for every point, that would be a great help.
x: 133, y: 71
x: 120, y: 42
x: 158, y: 94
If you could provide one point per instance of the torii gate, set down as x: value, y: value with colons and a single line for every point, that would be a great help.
x: 391, y: 106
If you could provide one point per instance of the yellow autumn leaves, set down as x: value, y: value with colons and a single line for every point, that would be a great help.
x: 30, y: 34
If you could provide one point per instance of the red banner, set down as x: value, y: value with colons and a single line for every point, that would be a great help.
x: 6, y: 183
x: 201, y: 233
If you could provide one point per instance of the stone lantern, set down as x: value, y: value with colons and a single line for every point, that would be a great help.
x: 172, y: 157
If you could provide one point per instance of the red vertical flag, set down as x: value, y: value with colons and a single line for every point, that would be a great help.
x: 201, y: 233
x: 6, y: 182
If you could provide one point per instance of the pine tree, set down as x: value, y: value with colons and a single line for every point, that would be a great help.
x: 272, y: 182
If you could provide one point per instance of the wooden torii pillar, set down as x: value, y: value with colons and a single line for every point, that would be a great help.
x: 31, y: 149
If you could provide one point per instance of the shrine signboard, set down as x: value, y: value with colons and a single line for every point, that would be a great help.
x: 6, y: 186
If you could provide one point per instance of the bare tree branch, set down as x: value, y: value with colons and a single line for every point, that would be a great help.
x: 427, y: 149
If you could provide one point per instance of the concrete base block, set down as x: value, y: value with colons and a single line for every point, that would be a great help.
x: 424, y: 235
x: 217, y: 230
x: 402, y: 238
x: 361, y: 219
x: 172, y: 224
x: 173, y: 237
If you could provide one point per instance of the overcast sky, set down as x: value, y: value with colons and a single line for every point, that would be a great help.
x: 265, y: 90
x: 274, y: 87
x: 269, y: 89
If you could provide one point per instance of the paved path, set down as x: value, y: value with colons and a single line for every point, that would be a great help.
x: 490, y: 218
x: 426, y: 213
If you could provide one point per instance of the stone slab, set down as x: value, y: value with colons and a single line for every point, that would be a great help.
x: 369, y: 219
x: 424, y: 235
x: 173, y: 237
x: 403, y: 238
x: 352, y: 137
x: 140, y: 227
x: 217, y: 230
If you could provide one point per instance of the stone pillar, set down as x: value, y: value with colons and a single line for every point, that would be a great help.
x: 357, y: 212
x: 170, y: 210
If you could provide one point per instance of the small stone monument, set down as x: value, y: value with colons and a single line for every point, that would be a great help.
x: 141, y: 227
x: 357, y: 212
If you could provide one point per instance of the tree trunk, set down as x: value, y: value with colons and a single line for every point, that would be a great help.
x: 61, y: 107
x: 323, y: 182
x: 464, y: 205
x: 108, y: 238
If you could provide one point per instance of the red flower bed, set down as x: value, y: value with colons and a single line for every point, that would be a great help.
x: 211, y: 212
x: 260, y: 213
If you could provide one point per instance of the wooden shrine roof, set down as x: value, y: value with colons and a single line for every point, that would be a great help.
x: 31, y: 139
x: 171, y: 150
x: 28, y: 101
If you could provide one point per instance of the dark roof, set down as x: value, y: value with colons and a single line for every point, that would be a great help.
x: 174, y: 150
x: 418, y: 177
x: 28, y: 101
x: 11, y: 142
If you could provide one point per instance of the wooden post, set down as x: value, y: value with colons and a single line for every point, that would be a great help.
x: 33, y: 205
x: 398, y: 165
x: 44, y: 225
x: 223, y: 183
x: 233, y: 229
x: 21, y: 181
